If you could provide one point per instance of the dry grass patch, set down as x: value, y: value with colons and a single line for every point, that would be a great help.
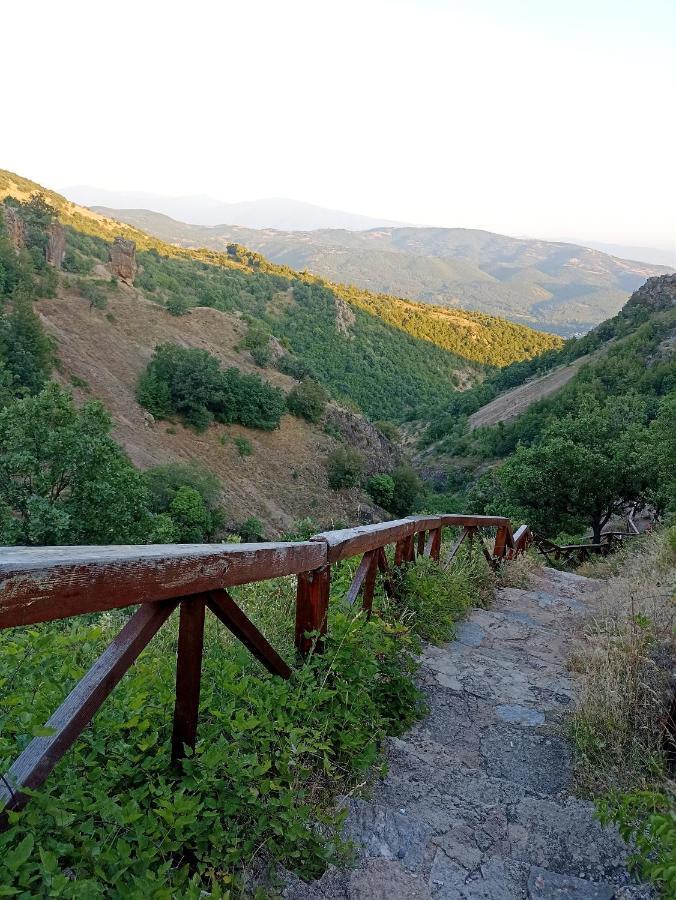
x: 627, y: 655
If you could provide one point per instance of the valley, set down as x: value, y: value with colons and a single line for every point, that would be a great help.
x: 559, y: 287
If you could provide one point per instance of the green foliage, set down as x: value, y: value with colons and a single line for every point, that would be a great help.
x: 177, y: 305
x: 307, y: 401
x: 389, y: 429
x: 26, y: 351
x: 244, y: 447
x: 647, y: 820
x: 191, y: 384
x: 251, y: 531
x: 114, y: 820
x: 188, y: 496
x: 435, y: 599
x: 407, y: 490
x: 91, y: 290
x: 380, y: 488
x: 63, y: 480
x: 583, y: 469
x: 345, y: 466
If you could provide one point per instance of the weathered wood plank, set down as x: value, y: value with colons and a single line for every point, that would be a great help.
x: 370, y: 581
x: 454, y: 549
x: 45, y: 583
x: 359, y: 577
x: 312, y: 605
x: 188, y: 676
x: 224, y: 607
x: 349, y: 542
x: 71, y: 718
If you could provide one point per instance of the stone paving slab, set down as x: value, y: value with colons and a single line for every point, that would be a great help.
x: 476, y: 804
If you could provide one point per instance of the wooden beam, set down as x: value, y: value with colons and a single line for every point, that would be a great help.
x: 224, y: 608
x: 75, y: 713
x: 40, y: 584
x: 188, y: 676
x: 370, y: 582
x: 454, y: 549
x: 360, y: 575
x: 312, y: 605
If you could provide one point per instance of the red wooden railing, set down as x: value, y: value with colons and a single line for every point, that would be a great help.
x: 42, y: 584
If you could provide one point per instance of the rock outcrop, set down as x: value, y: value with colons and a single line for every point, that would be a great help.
x: 56, y: 244
x: 15, y: 226
x: 657, y: 293
x: 122, y: 259
x: 345, y: 316
x: 380, y: 454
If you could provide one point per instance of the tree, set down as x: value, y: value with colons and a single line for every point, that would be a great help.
x: 63, y: 480
x: 345, y: 465
x: 585, y: 468
x: 381, y: 489
x: 307, y: 400
x: 407, y: 489
x: 190, y: 496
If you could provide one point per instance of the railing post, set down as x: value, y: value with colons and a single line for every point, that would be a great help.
x: 499, y: 549
x: 435, y: 544
x: 421, y: 543
x: 370, y: 583
x: 188, y: 676
x: 312, y: 604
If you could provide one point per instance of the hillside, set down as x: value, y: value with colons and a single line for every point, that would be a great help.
x: 565, y: 288
x: 594, y: 420
x: 386, y: 354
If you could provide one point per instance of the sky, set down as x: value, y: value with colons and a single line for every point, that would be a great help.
x: 545, y: 118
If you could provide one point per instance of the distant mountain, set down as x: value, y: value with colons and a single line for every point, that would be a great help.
x: 559, y: 287
x: 659, y: 256
x: 273, y: 212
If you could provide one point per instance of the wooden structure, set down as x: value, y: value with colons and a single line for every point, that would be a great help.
x: 574, y: 554
x: 42, y: 584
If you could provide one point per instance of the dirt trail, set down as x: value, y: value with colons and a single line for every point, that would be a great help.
x: 478, y: 802
x: 511, y: 404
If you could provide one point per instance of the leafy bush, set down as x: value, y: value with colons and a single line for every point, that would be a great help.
x: 389, y: 429
x: 435, y: 599
x: 191, y: 383
x: 188, y: 496
x: 407, y: 489
x: 244, y: 447
x: 345, y: 466
x: 251, y: 531
x: 63, y: 480
x: 177, y: 305
x: 307, y: 400
x: 381, y: 489
x: 114, y: 820
x: 647, y: 820
x: 91, y: 291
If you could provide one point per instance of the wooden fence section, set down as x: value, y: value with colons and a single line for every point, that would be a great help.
x: 43, y: 584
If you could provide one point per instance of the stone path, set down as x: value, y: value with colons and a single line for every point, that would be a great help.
x: 477, y: 803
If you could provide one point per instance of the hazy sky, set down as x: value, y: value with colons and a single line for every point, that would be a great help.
x: 539, y: 117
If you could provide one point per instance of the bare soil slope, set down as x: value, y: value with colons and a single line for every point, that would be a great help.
x: 512, y: 403
x: 284, y: 480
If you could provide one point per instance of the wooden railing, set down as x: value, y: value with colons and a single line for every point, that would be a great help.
x: 574, y: 554
x: 43, y: 584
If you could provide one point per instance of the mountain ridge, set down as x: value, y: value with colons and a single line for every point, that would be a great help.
x: 546, y: 285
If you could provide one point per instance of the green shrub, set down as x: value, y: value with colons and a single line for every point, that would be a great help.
x: 381, y: 489
x: 191, y: 383
x: 177, y: 305
x: 114, y: 820
x: 91, y: 291
x: 244, y: 448
x: 251, y: 531
x: 188, y: 496
x: 407, y: 490
x: 435, y: 599
x: 646, y: 820
x: 345, y: 466
x: 307, y: 401
x: 389, y: 429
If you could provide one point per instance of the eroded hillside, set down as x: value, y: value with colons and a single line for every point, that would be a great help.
x: 101, y: 355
